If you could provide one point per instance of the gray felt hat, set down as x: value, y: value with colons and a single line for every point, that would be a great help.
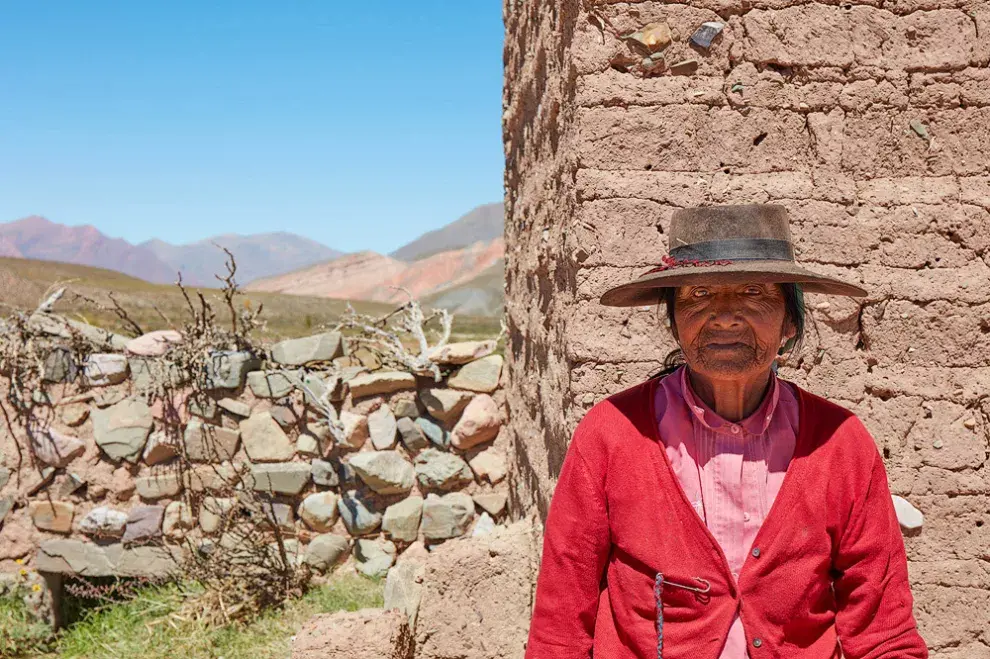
x: 725, y: 245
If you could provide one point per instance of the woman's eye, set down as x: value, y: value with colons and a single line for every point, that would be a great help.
x: 754, y: 291
x: 700, y: 292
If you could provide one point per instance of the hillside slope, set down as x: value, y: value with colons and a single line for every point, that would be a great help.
x: 481, y: 224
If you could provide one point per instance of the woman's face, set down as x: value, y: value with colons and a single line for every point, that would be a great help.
x: 731, y: 331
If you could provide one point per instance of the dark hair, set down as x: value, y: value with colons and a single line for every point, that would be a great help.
x: 793, y: 307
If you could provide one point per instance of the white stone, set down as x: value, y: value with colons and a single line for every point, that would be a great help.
x: 385, y: 472
x: 383, y: 428
x: 909, y: 517
x: 104, y: 522
x: 105, y: 368
x: 319, y: 511
x: 153, y: 344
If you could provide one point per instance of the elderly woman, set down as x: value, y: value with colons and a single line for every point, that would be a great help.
x: 717, y: 511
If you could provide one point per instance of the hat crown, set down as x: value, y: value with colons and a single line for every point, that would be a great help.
x: 689, y: 226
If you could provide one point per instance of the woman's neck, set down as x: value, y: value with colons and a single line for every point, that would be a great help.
x: 733, y: 400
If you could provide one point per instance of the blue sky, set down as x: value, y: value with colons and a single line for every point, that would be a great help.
x: 360, y: 125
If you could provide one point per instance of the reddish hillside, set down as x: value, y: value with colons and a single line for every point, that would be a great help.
x: 373, y: 277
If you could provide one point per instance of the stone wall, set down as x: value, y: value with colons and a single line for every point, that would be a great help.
x: 870, y: 122
x: 109, y: 492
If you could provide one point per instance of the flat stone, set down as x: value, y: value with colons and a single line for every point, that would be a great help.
x: 60, y: 366
x: 149, y: 562
x: 653, y: 36
x: 492, y: 502
x: 121, y: 430
x: 385, y: 472
x: 326, y: 550
x: 480, y: 423
x: 38, y: 481
x: 484, y: 526
x: 202, y: 405
x: 75, y: 415
x: 404, y: 589
x: 153, y: 344
x: 55, y: 516
x: 316, y: 348
x: 280, y: 514
x: 4, y: 476
x: 482, y: 375
x: 227, y: 369
x: 213, y: 512
x: 55, y: 448
x: 448, y: 516
x: 684, y: 67
x: 146, y: 372
x: 401, y: 520
x: 436, y: 470
x: 413, y: 437
x: 159, y: 449
x: 206, y: 442
x: 144, y: 523
x: 280, y: 477
x: 235, y: 407
x: 159, y: 485
x: 405, y: 409
x: 101, y: 369
x: 324, y: 473
x: 272, y: 384
x: 56, y: 325
x: 358, y: 513
x: 445, y: 404
x: 374, y: 557
x: 76, y: 557
x: 355, y: 430
x: 264, y: 440
x: 462, y: 352
x: 437, y: 435
x: 705, y: 34
x: 909, y: 517
x: 320, y: 429
x: 308, y: 446
x: 319, y: 511
x: 108, y: 397
x: 381, y: 382
x: 346, y: 474
x: 488, y: 465
x: 383, y: 428
x: 177, y: 520
x: 284, y: 417
x: 68, y: 486
x: 104, y: 522
x: 210, y: 477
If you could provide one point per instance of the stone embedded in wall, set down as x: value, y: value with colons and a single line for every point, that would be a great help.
x: 479, y: 423
x: 909, y: 517
x: 106, y: 398
x: 144, y: 523
x: 482, y: 375
x: 279, y: 477
x: 228, y: 369
x: 121, y: 430
x: 69, y: 484
x: 413, y: 437
x: 405, y: 408
x: 65, y: 327
x: 60, y: 366
x: 484, y: 526
x: 319, y: 511
x: 101, y: 369
x: 213, y: 512
x: 463, y: 352
x: 374, y: 557
x: 326, y: 550
x: 55, y: 516
x: 65, y: 556
x: 448, y: 516
x: 401, y: 520
x: 315, y: 348
x: 381, y: 382
x: 358, y: 513
x: 160, y: 484
x: 272, y: 384
x: 4, y: 476
x: 201, y: 405
x: 363, y: 634
x: 491, y: 502
x: 206, y: 442
x: 445, y: 404
x: 235, y: 407
x: 55, y: 448
x: 437, y: 435
x: 436, y: 470
x: 264, y: 440
x: 153, y: 344
x: 159, y: 448
x: 383, y: 428
x: 75, y: 415
x: 104, y: 522
x: 6, y: 504
x: 284, y: 416
x: 355, y: 429
x: 324, y: 473
x: 489, y: 465
x: 150, y: 562
x: 202, y: 478
x: 404, y: 589
x: 385, y: 472
x: 279, y: 514
x: 308, y: 446
x: 178, y: 519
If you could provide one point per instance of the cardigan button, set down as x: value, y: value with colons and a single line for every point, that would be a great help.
x: 756, y: 552
x: 757, y: 642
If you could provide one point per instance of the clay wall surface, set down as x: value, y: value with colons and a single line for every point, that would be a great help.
x: 870, y: 122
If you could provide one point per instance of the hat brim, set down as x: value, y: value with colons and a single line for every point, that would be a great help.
x: 648, y: 290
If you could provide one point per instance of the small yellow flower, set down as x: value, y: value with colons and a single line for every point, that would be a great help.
x: 24, y: 572
x: 20, y: 561
x: 36, y: 587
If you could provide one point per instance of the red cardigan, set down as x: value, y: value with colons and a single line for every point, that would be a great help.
x: 828, y: 564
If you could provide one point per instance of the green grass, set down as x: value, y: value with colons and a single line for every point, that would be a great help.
x: 153, y: 625
x: 19, y: 631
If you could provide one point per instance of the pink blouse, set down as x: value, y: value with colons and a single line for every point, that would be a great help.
x: 730, y: 472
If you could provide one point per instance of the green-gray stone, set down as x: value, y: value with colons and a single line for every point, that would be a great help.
x: 121, y: 430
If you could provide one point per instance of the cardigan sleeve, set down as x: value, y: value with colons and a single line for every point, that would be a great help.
x: 874, y: 618
x: 575, y: 548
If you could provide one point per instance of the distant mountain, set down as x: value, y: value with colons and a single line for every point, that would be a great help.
x: 257, y: 256
x: 374, y: 277
x: 38, y: 238
x: 482, y: 296
x: 484, y: 223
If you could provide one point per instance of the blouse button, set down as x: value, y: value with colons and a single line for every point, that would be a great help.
x: 746, y: 517
x: 756, y: 552
x: 734, y: 429
x: 757, y: 642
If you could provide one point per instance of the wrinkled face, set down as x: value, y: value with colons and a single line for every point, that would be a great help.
x: 731, y: 331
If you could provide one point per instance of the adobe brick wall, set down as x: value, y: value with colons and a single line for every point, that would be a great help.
x: 806, y: 104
